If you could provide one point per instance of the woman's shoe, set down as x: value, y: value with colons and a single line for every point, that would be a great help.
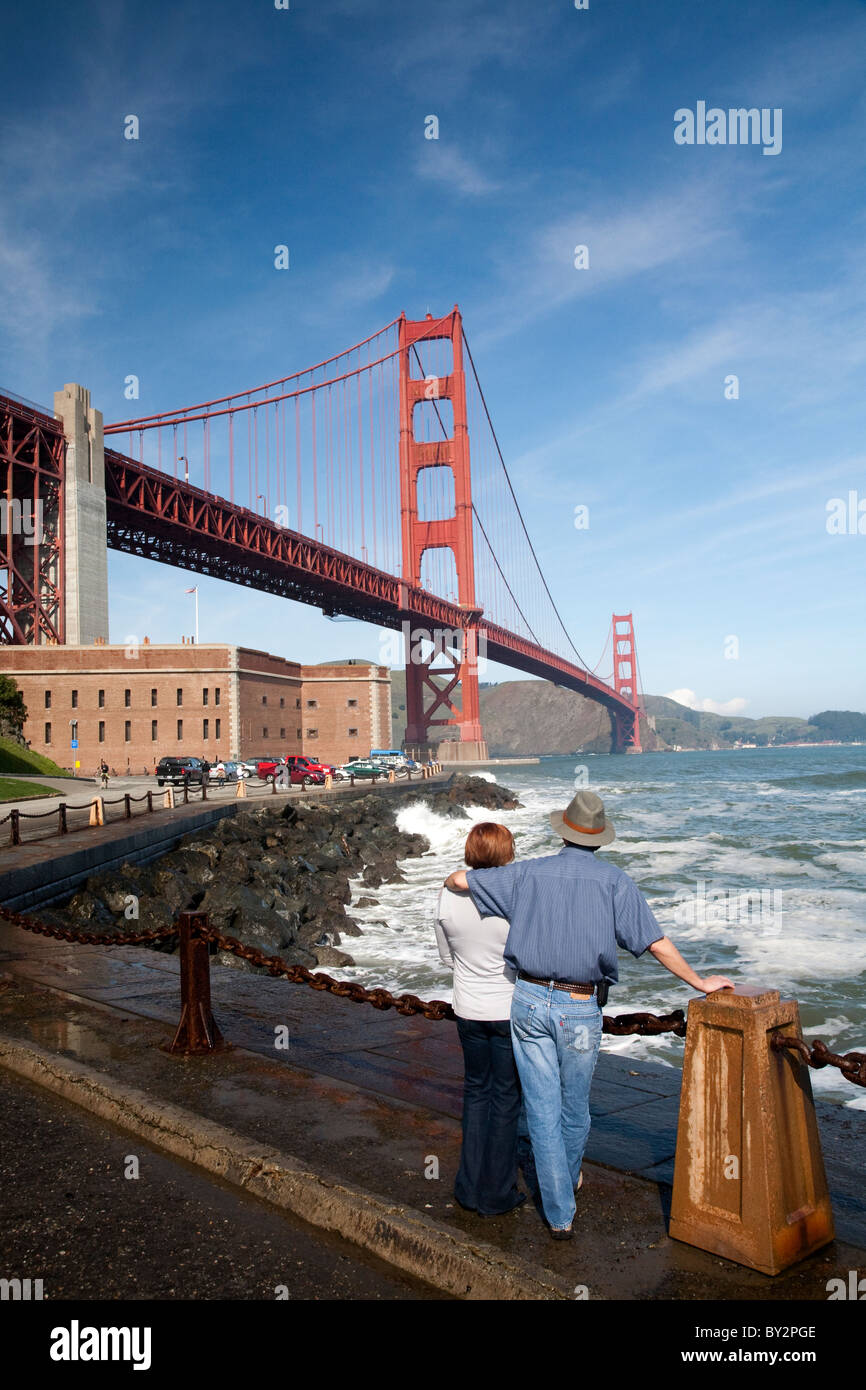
x: 463, y: 1206
x: 518, y: 1202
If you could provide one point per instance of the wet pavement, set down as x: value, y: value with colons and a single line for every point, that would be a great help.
x: 118, y: 1219
x: 374, y: 1100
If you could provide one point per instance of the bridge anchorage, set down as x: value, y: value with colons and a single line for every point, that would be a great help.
x: 371, y: 485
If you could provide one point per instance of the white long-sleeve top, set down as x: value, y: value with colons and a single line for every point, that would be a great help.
x: 473, y: 946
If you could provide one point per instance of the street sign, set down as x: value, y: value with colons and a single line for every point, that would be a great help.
x: 77, y: 763
x: 74, y: 743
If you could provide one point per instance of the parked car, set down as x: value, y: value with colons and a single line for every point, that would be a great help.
x: 234, y: 772
x: 304, y: 763
x: 179, y: 770
x: 301, y: 776
x: 363, y: 767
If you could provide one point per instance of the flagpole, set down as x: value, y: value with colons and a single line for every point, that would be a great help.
x: 196, y: 615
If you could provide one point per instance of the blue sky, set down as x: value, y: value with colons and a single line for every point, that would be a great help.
x: 707, y: 516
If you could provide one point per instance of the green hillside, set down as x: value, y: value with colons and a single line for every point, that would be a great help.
x: 15, y: 758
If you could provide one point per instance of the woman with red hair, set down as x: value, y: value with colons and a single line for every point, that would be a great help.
x: 483, y: 984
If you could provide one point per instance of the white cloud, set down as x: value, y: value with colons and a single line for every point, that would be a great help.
x: 445, y: 164
x: 707, y: 706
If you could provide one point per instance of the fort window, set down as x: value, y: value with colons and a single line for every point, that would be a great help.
x: 153, y: 732
x: 217, y: 727
x: 127, y: 698
x: 102, y: 731
x: 264, y: 733
x: 127, y: 731
x: 264, y: 699
x: 353, y: 704
x: 48, y: 699
x: 179, y: 730
x: 153, y: 695
x: 204, y: 695
x: 216, y: 695
x: 312, y: 733
x: 75, y: 699
x: 47, y: 733
x: 180, y: 694
x: 282, y: 733
x: 205, y: 729
x: 353, y: 733
x: 100, y: 699
x: 311, y: 704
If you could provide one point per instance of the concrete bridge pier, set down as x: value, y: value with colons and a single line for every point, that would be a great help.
x: 85, y: 581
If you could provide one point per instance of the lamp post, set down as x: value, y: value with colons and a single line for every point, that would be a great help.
x: 194, y: 590
x: 185, y: 462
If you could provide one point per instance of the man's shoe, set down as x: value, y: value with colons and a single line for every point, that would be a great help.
x: 559, y: 1234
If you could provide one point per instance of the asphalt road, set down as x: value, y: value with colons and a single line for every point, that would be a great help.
x: 71, y: 1217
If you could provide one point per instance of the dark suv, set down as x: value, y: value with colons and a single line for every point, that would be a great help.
x: 181, y: 770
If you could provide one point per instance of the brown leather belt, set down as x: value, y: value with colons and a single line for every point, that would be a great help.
x: 572, y: 986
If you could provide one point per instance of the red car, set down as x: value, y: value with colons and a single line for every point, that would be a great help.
x: 299, y: 773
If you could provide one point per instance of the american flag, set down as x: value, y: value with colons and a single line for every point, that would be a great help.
x: 193, y: 590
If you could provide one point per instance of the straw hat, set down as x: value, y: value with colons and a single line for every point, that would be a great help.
x: 583, y: 821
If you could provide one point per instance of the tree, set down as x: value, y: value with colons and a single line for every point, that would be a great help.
x: 846, y: 725
x: 13, y: 711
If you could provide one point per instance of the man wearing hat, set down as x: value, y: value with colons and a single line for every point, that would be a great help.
x: 567, y: 913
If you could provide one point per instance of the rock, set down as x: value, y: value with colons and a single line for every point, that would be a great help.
x: 367, y: 902
x: 328, y: 955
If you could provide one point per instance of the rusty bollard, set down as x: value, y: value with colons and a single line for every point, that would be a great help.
x: 197, y: 1033
x: 15, y: 827
x: 749, y: 1180
x: 62, y: 827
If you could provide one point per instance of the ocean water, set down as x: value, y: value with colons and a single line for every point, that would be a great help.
x: 754, y: 862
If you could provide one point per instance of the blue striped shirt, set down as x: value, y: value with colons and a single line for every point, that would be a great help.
x: 567, y: 914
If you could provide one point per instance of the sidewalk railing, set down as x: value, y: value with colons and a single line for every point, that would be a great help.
x: 748, y: 1147
x: 168, y: 798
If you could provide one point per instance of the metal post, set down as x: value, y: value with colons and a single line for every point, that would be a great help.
x: 197, y: 1033
x: 149, y: 800
x: 62, y: 827
x: 15, y: 827
x: 127, y: 806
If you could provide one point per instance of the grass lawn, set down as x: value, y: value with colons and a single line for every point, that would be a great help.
x: 16, y: 789
x: 16, y: 758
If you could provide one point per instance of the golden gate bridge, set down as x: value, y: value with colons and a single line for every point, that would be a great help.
x: 371, y: 485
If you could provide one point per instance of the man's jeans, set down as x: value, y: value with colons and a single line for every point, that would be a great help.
x: 487, y: 1177
x: 556, y: 1041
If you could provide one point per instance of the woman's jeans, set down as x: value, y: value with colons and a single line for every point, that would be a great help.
x: 487, y: 1176
x: 556, y: 1041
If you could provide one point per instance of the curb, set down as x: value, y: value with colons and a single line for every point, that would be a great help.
x: 402, y: 1236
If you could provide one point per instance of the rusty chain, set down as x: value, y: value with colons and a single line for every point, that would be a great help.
x: 74, y: 937
x: 851, y: 1064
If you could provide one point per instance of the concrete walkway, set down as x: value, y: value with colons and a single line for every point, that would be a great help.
x: 355, y: 1126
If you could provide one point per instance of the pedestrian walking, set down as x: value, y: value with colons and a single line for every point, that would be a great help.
x: 568, y: 912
